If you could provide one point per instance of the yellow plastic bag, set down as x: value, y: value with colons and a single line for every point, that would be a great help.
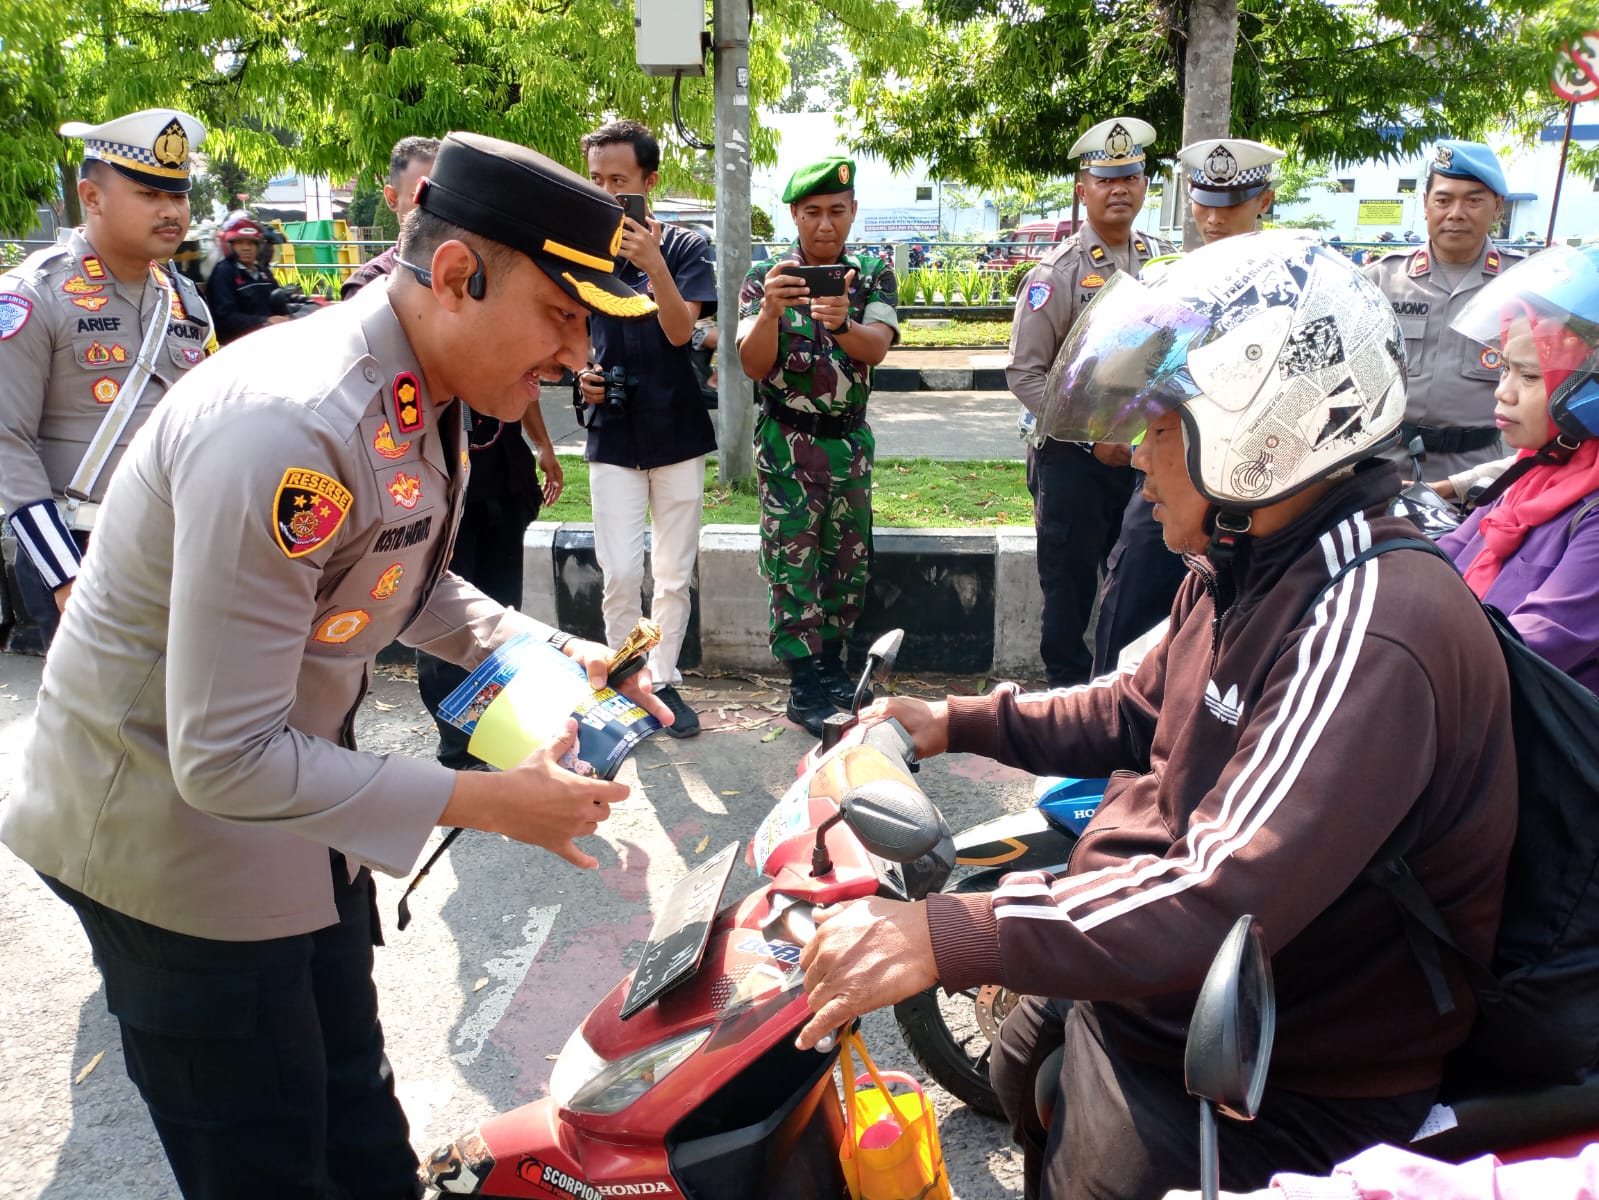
x: 890, y: 1149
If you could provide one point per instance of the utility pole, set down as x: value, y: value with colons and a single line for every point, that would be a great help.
x: 734, y: 391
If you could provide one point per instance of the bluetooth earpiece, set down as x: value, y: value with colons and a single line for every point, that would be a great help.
x: 475, y: 286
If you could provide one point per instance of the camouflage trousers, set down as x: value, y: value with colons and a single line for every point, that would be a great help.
x: 816, y: 533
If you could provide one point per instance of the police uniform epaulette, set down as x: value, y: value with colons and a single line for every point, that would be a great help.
x: 38, y: 264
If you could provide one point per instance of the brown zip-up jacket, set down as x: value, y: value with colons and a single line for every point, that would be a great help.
x: 1259, y: 757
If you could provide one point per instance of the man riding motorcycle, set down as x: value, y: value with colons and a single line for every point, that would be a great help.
x: 1260, y: 756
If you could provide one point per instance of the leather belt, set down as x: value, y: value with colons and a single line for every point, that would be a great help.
x: 822, y: 425
x: 1451, y: 440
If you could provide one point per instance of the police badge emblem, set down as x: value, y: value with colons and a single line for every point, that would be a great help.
x: 308, y: 510
x: 171, y: 147
x: 1118, y: 142
x: 1221, y: 166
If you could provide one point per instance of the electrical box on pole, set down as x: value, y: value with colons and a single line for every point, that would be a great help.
x: 669, y: 36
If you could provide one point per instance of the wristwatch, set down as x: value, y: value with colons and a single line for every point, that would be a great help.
x: 559, y: 639
x: 844, y: 328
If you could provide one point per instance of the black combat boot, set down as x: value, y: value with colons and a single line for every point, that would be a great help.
x: 839, y: 686
x: 808, y: 703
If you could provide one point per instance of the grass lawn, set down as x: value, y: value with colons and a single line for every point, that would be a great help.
x: 958, y: 333
x: 917, y: 493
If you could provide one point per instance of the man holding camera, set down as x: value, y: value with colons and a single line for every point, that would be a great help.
x: 812, y: 325
x: 94, y: 331
x: 648, y: 428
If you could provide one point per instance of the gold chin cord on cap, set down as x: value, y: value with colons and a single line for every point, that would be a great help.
x: 635, y: 648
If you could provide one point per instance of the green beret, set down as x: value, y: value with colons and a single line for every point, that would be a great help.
x: 835, y: 174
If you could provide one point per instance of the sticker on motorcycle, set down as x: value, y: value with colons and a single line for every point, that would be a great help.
x: 555, y: 1182
x: 791, y: 817
x: 462, y: 1167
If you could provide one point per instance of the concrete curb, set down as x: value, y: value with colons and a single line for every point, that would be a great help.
x: 967, y: 599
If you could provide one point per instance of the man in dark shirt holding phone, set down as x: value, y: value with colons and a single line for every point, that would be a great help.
x: 813, y: 323
x: 648, y: 429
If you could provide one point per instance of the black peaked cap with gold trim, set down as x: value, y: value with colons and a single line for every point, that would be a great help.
x: 515, y: 196
x: 152, y: 147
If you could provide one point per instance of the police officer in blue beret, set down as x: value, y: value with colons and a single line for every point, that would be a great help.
x: 1450, y: 379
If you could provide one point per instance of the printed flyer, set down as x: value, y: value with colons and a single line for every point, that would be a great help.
x: 521, y: 695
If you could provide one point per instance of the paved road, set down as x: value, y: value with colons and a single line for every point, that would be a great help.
x: 955, y: 425
x: 509, y: 948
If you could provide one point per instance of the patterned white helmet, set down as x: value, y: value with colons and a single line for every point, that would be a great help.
x: 1285, y: 362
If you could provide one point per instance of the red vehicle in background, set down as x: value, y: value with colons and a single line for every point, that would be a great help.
x: 1026, y: 243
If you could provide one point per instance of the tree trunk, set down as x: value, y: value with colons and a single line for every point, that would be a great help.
x: 1207, y: 86
x: 71, y: 208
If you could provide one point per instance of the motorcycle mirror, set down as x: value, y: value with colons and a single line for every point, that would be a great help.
x: 893, y: 819
x: 1235, y: 1019
x: 1230, y: 1038
x: 879, y: 662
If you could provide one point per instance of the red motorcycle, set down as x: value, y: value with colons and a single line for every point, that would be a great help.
x: 685, y: 1081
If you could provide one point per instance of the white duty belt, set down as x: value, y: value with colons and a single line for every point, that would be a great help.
x: 79, y: 512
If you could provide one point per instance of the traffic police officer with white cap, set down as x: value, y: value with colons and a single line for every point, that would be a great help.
x: 1229, y: 190
x: 93, y: 332
x: 1079, y: 491
x: 1450, y: 379
x: 192, y: 786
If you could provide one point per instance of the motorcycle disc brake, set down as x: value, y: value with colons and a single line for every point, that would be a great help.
x: 992, y: 1006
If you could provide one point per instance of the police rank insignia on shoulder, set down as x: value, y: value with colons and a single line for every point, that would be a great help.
x: 14, y: 313
x: 408, y: 402
x: 308, y: 510
x: 1491, y: 263
x: 1097, y: 253
x: 93, y: 267
x: 1038, y: 295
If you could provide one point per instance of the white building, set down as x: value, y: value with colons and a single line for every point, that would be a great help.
x: 1376, y: 197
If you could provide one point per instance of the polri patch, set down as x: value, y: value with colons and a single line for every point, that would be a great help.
x: 14, y: 313
x: 408, y: 402
x: 105, y: 389
x: 79, y: 286
x: 308, y: 510
x: 341, y: 627
x: 1038, y: 295
x: 92, y: 303
x: 1091, y: 281
x: 389, y: 582
x: 1491, y: 359
x: 97, y: 355
x: 405, y: 489
x: 191, y: 356
x: 383, y: 442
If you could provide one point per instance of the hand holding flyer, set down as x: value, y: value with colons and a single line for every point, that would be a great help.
x: 522, y: 695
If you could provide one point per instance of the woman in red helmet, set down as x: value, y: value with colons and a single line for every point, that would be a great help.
x: 240, y: 292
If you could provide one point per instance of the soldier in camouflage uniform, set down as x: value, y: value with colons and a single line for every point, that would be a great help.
x: 812, y: 360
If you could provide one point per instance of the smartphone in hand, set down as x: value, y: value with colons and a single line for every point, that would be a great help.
x: 633, y: 205
x: 822, y: 281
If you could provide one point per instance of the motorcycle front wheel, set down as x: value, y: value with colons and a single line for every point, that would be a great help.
x: 950, y: 1035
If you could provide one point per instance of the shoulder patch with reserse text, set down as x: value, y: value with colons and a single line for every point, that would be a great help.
x: 408, y: 402
x: 14, y: 313
x: 308, y: 510
x: 1038, y: 295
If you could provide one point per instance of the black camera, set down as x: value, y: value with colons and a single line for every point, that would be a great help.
x: 291, y: 301
x: 617, y: 385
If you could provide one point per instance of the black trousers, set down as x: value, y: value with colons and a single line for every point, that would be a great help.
x: 37, y: 598
x: 1126, y: 1130
x: 1141, y: 581
x: 1077, y: 511
x: 262, y: 1063
x: 488, y: 554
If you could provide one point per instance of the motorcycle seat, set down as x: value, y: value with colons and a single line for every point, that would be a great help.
x: 1500, y: 1119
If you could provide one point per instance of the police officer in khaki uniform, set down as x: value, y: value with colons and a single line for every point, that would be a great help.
x: 1079, y: 491
x: 1229, y: 191
x: 1450, y: 379
x: 93, y: 332
x: 192, y: 787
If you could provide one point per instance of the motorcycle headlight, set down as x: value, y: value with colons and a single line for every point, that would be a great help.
x: 585, y: 1082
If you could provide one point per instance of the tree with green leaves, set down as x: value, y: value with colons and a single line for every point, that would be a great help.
x: 326, y: 87
x: 1001, y: 88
